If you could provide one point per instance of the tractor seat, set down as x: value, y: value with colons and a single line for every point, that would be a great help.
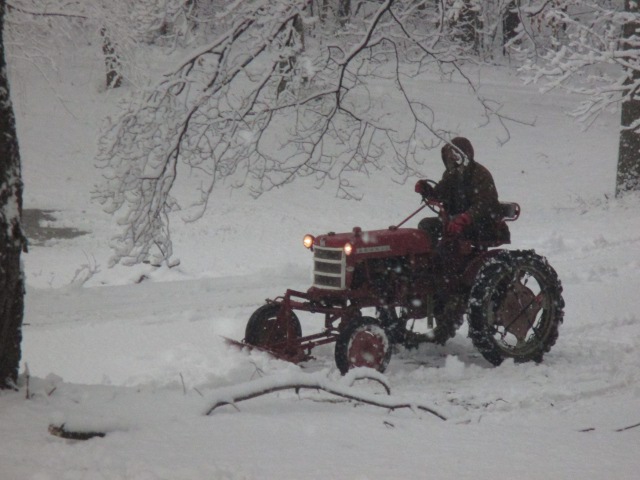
x: 499, y: 234
x: 509, y: 211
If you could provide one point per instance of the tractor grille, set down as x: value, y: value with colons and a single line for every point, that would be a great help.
x: 328, y: 268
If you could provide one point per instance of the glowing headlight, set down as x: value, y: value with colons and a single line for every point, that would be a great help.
x: 348, y: 248
x: 307, y: 241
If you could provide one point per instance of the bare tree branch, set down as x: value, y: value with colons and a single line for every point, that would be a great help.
x: 264, y: 386
x: 62, y: 432
x: 45, y: 13
x: 224, y: 115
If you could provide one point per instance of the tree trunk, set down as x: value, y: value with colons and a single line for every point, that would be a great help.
x: 344, y: 12
x: 510, y: 24
x: 628, y: 174
x: 12, y: 240
x: 468, y: 25
x: 111, y: 61
x: 289, y: 66
x: 340, y: 10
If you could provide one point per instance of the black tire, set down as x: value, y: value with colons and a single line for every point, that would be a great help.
x: 392, y: 323
x: 448, y: 320
x: 515, y: 307
x: 363, y: 343
x: 263, y: 329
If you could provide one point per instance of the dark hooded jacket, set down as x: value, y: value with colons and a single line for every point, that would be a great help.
x: 471, y: 189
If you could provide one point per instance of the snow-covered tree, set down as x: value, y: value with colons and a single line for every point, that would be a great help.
x: 12, y: 239
x: 628, y: 175
x: 223, y: 115
x: 591, y: 48
x: 119, y: 27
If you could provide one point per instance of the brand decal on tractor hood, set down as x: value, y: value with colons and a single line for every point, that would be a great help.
x: 381, y: 248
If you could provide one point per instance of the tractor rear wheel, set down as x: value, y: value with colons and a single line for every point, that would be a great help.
x: 363, y: 343
x: 264, y: 330
x: 515, y: 307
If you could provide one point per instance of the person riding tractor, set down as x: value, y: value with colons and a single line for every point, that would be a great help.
x: 468, y: 193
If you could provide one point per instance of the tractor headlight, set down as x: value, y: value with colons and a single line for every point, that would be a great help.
x: 307, y: 241
x: 348, y: 248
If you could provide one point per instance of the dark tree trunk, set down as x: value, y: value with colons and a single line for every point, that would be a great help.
x: 468, y: 25
x: 338, y: 9
x: 12, y: 240
x: 510, y: 23
x: 111, y: 60
x: 288, y: 67
x: 344, y: 11
x: 628, y: 174
x: 323, y: 8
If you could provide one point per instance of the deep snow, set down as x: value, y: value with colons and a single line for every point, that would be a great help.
x: 137, y: 352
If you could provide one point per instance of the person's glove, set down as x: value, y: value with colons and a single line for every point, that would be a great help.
x: 424, y: 188
x: 458, y: 224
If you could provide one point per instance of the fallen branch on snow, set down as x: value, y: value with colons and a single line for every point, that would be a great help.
x: 85, y: 430
x: 246, y: 391
x: 62, y: 432
x: 624, y: 429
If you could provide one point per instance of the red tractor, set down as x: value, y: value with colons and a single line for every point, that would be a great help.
x: 512, y: 298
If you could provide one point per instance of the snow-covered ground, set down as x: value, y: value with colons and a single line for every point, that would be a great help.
x: 137, y: 352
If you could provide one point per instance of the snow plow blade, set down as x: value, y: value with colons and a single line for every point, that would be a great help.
x: 294, y: 357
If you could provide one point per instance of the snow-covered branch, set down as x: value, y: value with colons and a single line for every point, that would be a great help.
x: 319, y: 381
x: 586, y: 55
x: 80, y: 426
x: 46, y: 12
x: 262, y: 105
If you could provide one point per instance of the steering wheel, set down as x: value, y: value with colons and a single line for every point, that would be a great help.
x: 431, y: 206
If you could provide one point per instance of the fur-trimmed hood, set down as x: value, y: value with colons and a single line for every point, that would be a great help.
x: 461, y: 145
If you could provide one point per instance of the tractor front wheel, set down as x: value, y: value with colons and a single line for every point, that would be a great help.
x: 363, y: 343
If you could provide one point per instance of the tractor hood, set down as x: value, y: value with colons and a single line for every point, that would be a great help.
x: 379, y: 243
